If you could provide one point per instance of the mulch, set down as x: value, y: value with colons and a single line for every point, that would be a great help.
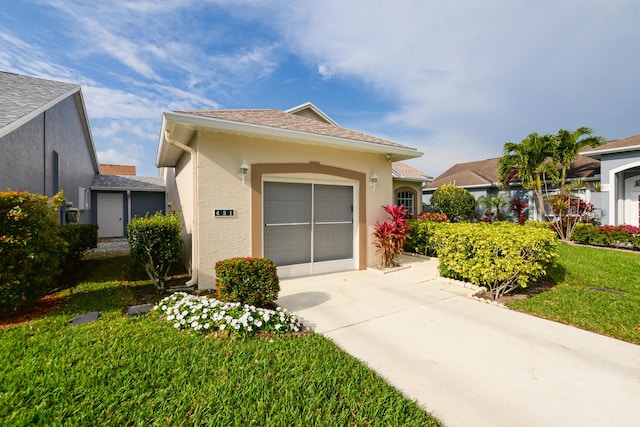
x: 26, y: 314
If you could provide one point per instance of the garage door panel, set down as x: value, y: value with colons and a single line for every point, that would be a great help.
x: 332, y: 242
x: 289, y: 244
x: 333, y: 203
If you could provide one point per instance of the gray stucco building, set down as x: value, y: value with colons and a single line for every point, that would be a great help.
x: 45, y: 140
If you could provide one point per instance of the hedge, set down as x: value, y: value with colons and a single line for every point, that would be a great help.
x: 608, y: 235
x: 79, y: 238
x: 31, y: 249
x: 501, y: 257
x: 420, y: 237
x: 155, y: 242
x: 251, y: 281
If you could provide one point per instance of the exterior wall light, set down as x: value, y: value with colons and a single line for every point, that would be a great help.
x: 244, y: 168
x: 374, y: 180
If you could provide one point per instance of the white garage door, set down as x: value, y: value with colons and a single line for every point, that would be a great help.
x: 308, y: 227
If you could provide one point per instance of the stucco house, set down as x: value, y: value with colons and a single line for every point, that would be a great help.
x: 480, y: 178
x: 407, y: 187
x: 46, y: 146
x: 45, y: 141
x: 620, y: 177
x: 290, y: 185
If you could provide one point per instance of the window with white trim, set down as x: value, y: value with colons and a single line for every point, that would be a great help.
x: 405, y: 198
x: 84, y: 199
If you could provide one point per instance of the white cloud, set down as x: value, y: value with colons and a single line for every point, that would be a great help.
x: 325, y: 72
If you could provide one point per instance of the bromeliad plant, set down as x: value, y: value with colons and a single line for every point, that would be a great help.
x: 203, y: 314
x: 391, y: 235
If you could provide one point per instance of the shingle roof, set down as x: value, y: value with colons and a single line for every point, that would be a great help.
x: 485, y: 172
x: 283, y: 120
x: 122, y: 182
x: 20, y: 95
x: 403, y: 170
x: 623, y: 144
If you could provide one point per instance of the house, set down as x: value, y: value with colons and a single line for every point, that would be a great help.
x: 290, y: 185
x: 407, y: 187
x: 620, y: 177
x: 118, y: 198
x: 46, y: 146
x: 480, y: 178
x: 45, y: 141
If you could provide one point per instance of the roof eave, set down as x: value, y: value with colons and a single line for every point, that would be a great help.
x: 195, y: 122
x: 596, y: 154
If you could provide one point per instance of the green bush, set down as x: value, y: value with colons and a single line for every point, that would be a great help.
x: 455, y: 202
x: 251, y: 281
x: 31, y: 249
x: 155, y: 242
x: 501, y: 257
x: 607, y: 235
x: 420, y: 237
x: 79, y: 238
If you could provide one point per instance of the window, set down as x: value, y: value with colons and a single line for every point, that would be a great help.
x: 405, y: 198
x: 84, y: 199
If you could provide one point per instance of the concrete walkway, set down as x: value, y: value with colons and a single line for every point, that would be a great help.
x: 469, y: 363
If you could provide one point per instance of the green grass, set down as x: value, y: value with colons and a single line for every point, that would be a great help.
x: 141, y: 371
x: 572, y: 302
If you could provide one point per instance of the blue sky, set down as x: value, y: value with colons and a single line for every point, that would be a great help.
x: 454, y: 79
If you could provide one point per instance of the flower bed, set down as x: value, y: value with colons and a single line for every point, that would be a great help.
x: 210, y: 315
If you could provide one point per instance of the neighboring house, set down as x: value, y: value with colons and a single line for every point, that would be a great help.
x: 118, y: 198
x: 45, y: 141
x: 620, y: 175
x: 480, y: 178
x: 407, y: 187
x: 106, y: 169
x: 291, y: 185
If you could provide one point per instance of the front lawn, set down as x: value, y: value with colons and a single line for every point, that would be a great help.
x: 143, y: 371
x: 597, y: 290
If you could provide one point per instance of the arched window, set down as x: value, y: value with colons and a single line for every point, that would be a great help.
x: 405, y: 198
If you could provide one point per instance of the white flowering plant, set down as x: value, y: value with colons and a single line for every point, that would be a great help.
x: 204, y: 314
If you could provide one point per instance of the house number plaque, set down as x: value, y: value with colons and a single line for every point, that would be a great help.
x: 224, y: 213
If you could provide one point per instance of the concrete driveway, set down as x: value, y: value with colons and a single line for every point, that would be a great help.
x: 467, y: 362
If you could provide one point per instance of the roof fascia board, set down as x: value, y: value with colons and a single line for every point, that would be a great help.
x: 87, y: 128
x: 314, y: 109
x: 597, y: 153
x: 34, y: 113
x: 258, y: 130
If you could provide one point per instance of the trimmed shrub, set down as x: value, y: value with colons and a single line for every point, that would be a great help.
x: 608, y: 235
x: 420, y: 237
x: 155, y: 242
x: 501, y: 257
x: 252, y: 281
x: 455, y: 202
x: 79, y: 238
x: 31, y: 249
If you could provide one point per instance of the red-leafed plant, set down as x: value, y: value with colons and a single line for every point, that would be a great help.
x: 391, y: 235
x: 518, y: 206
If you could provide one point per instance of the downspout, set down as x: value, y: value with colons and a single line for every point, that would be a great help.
x: 194, y: 234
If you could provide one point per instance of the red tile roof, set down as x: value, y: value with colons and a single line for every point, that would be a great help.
x: 282, y: 120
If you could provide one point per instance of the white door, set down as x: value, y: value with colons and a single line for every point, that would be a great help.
x: 632, y: 201
x: 308, y: 227
x: 110, y: 214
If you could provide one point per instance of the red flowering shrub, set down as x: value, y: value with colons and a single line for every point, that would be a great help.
x: 252, y: 281
x: 433, y: 217
x: 518, y: 206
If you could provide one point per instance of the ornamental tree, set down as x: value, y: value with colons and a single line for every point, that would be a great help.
x: 455, y: 202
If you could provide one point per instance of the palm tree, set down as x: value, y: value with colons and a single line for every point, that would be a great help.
x: 493, y: 200
x: 568, y: 144
x: 528, y: 161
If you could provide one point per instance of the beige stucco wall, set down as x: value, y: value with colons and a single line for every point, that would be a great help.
x: 179, y: 193
x: 219, y: 159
